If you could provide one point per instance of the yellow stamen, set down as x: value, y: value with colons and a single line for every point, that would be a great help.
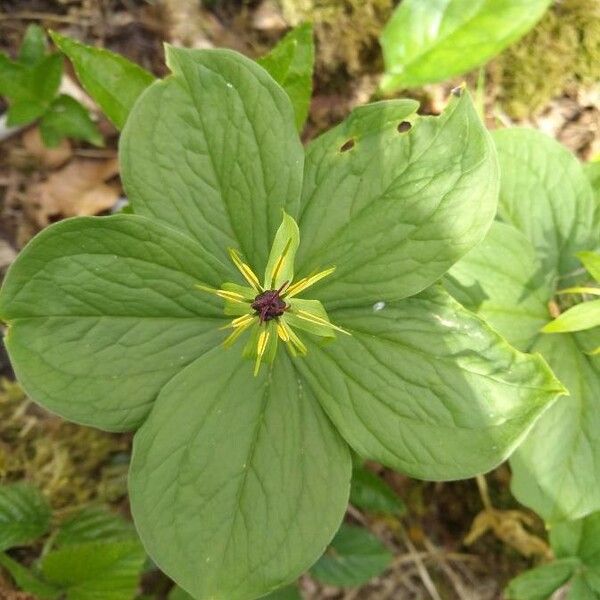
x: 263, y: 339
x: 245, y: 270
x: 236, y: 333
x: 282, y: 333
x: 307, y: 316
x: 306, y: 282
x: 225, y: 294
x: 295, y: 342
x: 243, y: 320
x: 279, y: 263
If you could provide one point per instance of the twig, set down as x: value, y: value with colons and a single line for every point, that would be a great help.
x: 483, y: 491
x: 40, y: 16
x: 459, y: 588
x: 423, y: 573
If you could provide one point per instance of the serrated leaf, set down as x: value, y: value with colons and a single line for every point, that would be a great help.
x: 427, y: 41
x: 120, y: 316
x: 28, y: 581
x: 371, y: 493
x: 545, y: 194
x: 427, y: 388
x: 33, y: 46
x: 577, y: 318
x: 110, y: 79
x: 243, y: 159
x: 93, y: 524
x: 540, y: 583
x: 354, y: 557
x: 591, y: 261
x: 96, y: 570
x: 291, y: 63
x: 394, y: 225
x: 501, y: 279
x: 67, y: 118
x: 24, y: 515
x: 274, y: 474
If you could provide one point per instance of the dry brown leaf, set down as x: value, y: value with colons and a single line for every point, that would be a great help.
x: 79, y: 189
x: 50, y: 158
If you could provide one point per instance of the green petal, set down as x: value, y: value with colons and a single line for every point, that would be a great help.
x: 426, y: 387
x: 102, y: 312
x: 213, y: 151
x: 391, y: 209
x: 237, y: 482
x: 298, y: 306
x: 280, y: 266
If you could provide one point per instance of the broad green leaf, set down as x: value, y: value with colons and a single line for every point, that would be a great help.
x: 222, y: 158
x: 23, y: 112
x: 394, y: 224
x: 592, y: 171
x: 33, y: 47
x: 371, y: 493
x: 426, y: 387
x: 96, y: 570
x: 110, y: 79
x: 178, y: 594
x: 581, y: 316
x: 291, y: 592
x: 103, y: 312
x: 501, y: 280
x: 290, y: 63
x: 65, y: 117
x: 551, y: 469
x: 540, y: 583
x: 431, y: 40
x: 591, y: 261
x: 237, y: 482
x: 581, y: 590
x: 28, y: 581
x: 93, y: 524
x: 545, y: 194
x: 280, y: 266
x: 578, y: 538
x: 45, y: 78
x: 13, y: 79
x: 24, y: 515
x: 354, y: 557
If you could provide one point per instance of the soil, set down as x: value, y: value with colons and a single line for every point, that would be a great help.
x: 549, y: 80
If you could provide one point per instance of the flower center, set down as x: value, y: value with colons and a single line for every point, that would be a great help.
x: 269, y: 305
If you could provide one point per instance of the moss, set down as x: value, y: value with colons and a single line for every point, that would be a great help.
x: 71, y: 464
x: 562, y: 51
x: 346, y: 32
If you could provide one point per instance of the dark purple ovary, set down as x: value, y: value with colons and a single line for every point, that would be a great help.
x: 269, y: 305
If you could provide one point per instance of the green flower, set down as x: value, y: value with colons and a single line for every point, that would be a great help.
x: 240, y: 473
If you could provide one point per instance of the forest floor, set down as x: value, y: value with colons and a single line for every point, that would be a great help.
x: 548, y: 81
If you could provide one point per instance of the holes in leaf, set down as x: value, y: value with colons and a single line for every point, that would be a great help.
x: 348, y: 145
x: 404, y: 127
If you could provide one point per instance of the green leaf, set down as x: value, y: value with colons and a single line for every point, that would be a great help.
x: 23, y: 112
x: 501, y: 280
x: 24, y: 515
x: 290, y: 63
x: 591, y: 261
x: 540, y: 583
x: 65, y: 117
x: 222, y: 158
x: 13, y: 79
x: 45, y: 78
x: 28, y: 581
x: 280, y: 266
x: 427, y: 388
x: 93, y: 524
x: 179, y: 594
x: 545, y: 194
x: 371, y: 493
x: 431, y: 40
x: 551, y: 469
x: 110, y: 79
x: 237, y: 482
x: 592, y: 171
x: 291, y: 592
x: 103, y: 312
x: 395, y: 224
x: 580, y: 590
x: 578, y: 538
x: 581, y: 316
x: 33, y: 47
x: 354, y: 557
x: 106, y: 570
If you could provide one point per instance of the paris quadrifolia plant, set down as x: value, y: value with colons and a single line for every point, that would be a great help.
x: 249, y: 391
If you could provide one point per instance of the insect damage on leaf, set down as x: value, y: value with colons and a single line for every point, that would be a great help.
x: 270, y: 311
